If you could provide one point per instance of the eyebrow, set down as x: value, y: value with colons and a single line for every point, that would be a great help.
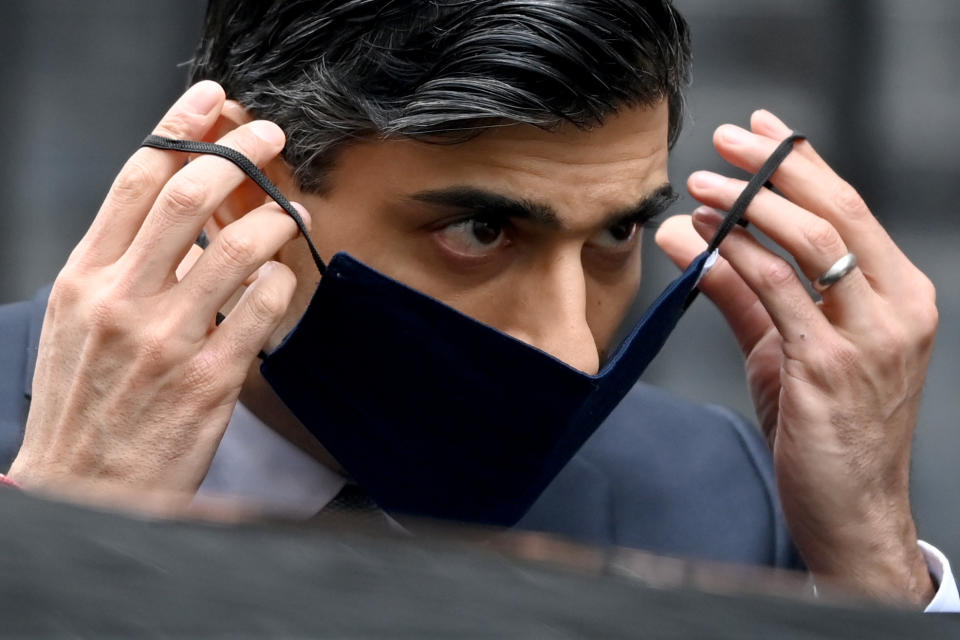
x: 653, y: 204
x: 481, y: 202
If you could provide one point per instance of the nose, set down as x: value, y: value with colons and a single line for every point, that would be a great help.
x: 549, y: 312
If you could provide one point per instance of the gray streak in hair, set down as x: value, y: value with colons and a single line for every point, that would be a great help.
x: 332, y: 71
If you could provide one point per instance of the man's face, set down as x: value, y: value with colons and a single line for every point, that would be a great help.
x: 535, y: 233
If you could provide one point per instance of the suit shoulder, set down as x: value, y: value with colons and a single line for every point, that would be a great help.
x: 14, y: 339
x: 15, y: 334
x: 677, y: 427
x: 689, y: 479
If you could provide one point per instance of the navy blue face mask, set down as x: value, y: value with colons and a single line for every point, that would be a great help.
x: 434, y: 413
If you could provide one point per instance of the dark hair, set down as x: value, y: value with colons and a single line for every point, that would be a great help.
x: 329, y: 71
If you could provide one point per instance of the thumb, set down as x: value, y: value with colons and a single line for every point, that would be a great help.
x: 679, y: 240
x: 726, y: 289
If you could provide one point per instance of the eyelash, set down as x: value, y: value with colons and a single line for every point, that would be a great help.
x: 443, y: 231
x: 653, y: 222
x: 615, y: 251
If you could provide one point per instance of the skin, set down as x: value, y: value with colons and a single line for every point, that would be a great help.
x: 135, y: 384
x: 836, y: 384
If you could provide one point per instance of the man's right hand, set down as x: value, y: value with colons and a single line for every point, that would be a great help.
x: 134, y: 382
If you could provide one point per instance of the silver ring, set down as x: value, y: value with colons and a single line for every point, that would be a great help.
x: 834, y: 274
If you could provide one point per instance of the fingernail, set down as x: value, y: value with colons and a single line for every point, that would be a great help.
x: 202, y: 97
x: 707, y: 180
x: 733, y: 135
x: 707, y: 216
x: 267, y: 131
x: 266, y: 268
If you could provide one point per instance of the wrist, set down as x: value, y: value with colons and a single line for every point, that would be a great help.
x: 20, y: 474
x: 44, y: 480
x: 887, y: 565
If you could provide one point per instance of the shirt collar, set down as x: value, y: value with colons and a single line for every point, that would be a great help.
x: 258, y: 468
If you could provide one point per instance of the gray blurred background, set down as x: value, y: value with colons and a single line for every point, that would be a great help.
x: 872, y: 82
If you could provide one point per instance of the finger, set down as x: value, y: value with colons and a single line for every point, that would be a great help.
x: 810, y: 239
x: 764, y: 123
x: 235, y: 253
x: 189, y: 261
x: 144, y: 174
x: 190, y: 197
x: 775, y: 283
x: 818, y: 189
x: 247, y: 328
x: 739, y: 305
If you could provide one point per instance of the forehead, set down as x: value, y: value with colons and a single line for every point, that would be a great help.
x: 579, y: 174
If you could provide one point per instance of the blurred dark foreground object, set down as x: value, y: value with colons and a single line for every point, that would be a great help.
x: 68, y: 571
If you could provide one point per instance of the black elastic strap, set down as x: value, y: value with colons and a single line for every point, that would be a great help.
x: 245, y: 165
x: 757, y: 182
x: 237, y: 158
x: 736, y: 215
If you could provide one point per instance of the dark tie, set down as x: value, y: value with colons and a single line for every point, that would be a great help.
x: 353, y: 505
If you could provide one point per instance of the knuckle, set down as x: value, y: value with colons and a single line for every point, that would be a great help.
x: 176, y: 125
x: 267, y: 304
x: 929, y: 324
x: 159, y: 348
x: 926, y: 320
x: 849, y: 203
x: 152, y: 349
x: 927, y: 289
x: 823, y: 237
x: 237, y: 248
x: 183, y: 197
x: 106, y: 314
x: 777, y: 274
x: 108, y: 310
x: 895, y: 342
x: 202, y: 373
x: 926, y: 295
x: 919, y: 310
x: 132, y: 184
x: 892, y: 342
x: 67, y: 289
x: 840, y: 358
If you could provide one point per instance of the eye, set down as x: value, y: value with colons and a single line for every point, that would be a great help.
x: 473, y: 237
x: 616, y: 236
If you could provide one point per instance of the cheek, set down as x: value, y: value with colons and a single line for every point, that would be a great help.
x: 296, y: 256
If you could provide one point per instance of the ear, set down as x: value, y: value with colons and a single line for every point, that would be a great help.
x: 248, y: 195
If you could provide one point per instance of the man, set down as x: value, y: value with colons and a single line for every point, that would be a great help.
x: 500, y: 156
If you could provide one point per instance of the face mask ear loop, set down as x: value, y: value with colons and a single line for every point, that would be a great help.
x: 254, y: 173
x: 739, y: 209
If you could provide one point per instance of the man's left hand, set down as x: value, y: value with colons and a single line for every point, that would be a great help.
x: 836, y: 383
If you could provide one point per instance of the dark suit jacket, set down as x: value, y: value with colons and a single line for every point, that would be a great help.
x: 661, y: 473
